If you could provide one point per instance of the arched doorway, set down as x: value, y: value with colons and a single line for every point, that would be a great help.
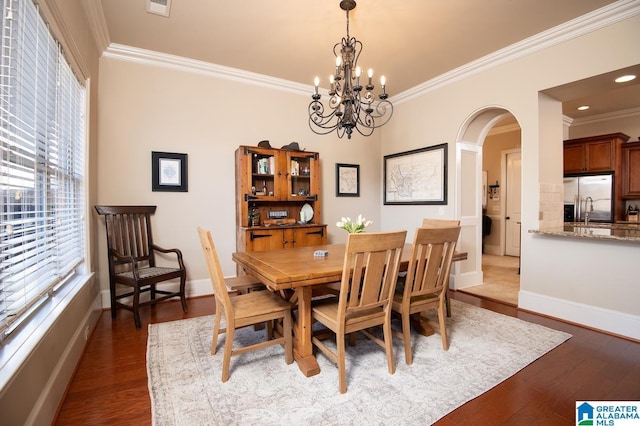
x: 469, y: 189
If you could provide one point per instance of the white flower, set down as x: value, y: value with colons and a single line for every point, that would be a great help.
x: 360, y: 225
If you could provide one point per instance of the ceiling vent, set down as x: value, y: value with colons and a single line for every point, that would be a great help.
x: 159, y: 7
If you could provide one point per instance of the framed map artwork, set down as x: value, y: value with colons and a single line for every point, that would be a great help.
x: 168, y: 172
x: 416, y: 177
x: 347, y: 180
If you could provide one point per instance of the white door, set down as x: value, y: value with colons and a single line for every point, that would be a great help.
x: 513, y: 202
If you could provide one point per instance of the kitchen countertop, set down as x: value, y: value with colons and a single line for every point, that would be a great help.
x: 595, y: 231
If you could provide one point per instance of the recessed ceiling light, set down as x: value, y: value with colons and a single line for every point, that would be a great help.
x: 583, y: 108
x: 625, y: 78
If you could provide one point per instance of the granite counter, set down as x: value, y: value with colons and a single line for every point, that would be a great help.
x: 598, y: 231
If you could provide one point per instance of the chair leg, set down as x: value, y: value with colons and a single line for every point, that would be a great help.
x: 136, y: 307
x: 448, y: 302
x: 112, y: 290
x: 183, y: 297
x: 340, y: 343
x: 388, y: 345
x: 288, y: 338
x: 269, y: 327
x: 228, y: 348
x: 406, y: 337
x: 352, y: 339
x: 216, y: 330
x: 443, y: 328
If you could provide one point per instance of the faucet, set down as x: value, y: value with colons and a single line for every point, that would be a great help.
x: 587, y: 210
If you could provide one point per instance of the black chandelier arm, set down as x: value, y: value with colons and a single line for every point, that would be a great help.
x: 379, y: 109
x: 319, y: 120
x: 363, y: 118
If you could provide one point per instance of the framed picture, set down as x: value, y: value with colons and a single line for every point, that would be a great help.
x: 416, y: 177
x: 168, y: 172
x: 347, y: 180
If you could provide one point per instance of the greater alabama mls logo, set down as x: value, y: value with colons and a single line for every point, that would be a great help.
x: 607, y: 413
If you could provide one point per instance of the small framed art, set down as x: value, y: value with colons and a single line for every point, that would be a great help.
x: 168, y: 172
x: 347, y: 180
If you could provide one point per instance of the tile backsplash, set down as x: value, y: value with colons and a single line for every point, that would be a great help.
x: 551, y: 211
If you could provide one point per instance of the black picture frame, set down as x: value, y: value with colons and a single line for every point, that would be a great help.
x: 169, y: 171
x: 418, y: 176
x: 347, y: 180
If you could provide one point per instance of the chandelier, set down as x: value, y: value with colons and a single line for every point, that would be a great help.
x: 349, y: 108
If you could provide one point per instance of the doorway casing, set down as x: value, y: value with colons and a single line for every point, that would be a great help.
x: 468, y: 207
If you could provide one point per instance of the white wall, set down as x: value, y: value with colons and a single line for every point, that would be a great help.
x: 148, y: 107
x: 145, y: 107
x: 575, y: 275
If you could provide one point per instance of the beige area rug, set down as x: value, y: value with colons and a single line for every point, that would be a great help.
x: 486, y: 348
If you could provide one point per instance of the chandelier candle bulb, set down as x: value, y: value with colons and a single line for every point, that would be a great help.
x: 316, y: 82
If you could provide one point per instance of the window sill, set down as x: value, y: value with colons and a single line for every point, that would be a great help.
x: 18, y: 347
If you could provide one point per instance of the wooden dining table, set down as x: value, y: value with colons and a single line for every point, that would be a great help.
x: 297, y: 269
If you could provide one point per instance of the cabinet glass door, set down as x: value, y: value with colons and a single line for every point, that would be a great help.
x: 263, y: 168
x: 302, y: 179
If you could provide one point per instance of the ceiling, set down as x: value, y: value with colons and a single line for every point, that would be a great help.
x: 409, y: 41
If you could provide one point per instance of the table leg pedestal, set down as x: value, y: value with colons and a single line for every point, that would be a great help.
x: 303, y: 346
x: 421, y: 325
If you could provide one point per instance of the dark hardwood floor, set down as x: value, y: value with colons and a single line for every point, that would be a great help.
x: 110, y: 384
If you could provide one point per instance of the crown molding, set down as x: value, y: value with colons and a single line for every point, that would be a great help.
x: 566, y: 120
x: 97, y: 23
x: 585, y: 24
x: 577, y: 27
x: 149, y: 57
x: 504, y: 129
x: 625, y: 113
x: 64, y: 36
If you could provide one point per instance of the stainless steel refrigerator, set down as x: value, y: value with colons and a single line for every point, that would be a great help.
x: 592, y: 194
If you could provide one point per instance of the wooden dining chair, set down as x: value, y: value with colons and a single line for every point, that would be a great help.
x: 441, y: 223
x: 256, y: 307
x: 132, y: 260
x: 427, y: 281
x: 370, y: 268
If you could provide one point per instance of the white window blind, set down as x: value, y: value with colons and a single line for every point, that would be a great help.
x: 42, y: 139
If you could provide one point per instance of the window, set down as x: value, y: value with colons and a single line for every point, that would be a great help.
x: 42, y: 138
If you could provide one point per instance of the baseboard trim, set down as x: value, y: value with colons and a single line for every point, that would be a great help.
x: 467, y: 279
x: 605, y: 320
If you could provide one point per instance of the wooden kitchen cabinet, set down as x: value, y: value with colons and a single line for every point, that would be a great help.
x: 593, y: 154
x: 277, y: 183
x: 630, y: 173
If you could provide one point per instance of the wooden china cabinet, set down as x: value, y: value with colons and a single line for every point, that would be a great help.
x: 275, y: 190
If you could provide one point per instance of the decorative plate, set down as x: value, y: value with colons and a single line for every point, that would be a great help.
x: 306, y: 213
